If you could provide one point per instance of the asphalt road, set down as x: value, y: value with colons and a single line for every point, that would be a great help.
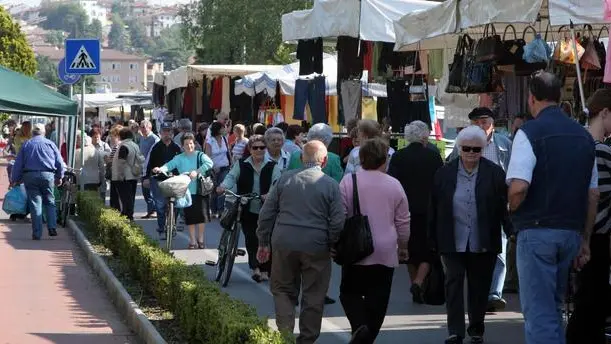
x: 405, y: 322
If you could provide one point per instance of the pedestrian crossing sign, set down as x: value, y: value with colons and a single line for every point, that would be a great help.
x: 82, y: 56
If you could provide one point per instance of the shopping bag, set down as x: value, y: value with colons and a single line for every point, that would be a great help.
x: 15, y: 201
x: 434, y: 284
x: 184, y: 201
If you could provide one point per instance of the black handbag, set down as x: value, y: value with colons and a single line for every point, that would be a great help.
x: 457, y: 67
x: 434, y: 285
x: 514, y: 48
x: 600, y: 48
x: 490, y: 48
x: 205, y: 182
x: 355, y: 242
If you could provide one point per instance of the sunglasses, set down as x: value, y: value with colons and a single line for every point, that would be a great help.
x: 257, y: 147
x: 468, y: 149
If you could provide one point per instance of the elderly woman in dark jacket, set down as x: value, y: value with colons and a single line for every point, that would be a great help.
x: 469, y: 211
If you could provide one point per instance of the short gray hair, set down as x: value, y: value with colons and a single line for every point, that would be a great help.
x: 321, y: 132
x: 38, y: 129
x: 471, y: 133
x: 185, y: 124
x: 417, y: 131
x: 273, y: 131
x: 146, y: 123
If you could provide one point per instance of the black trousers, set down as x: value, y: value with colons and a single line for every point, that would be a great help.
x: 364, y: 294
x: 478, y: 268
x: 115, y: 201
x: 587, y: 323
x: 249, y: 228
x: 127, y: 195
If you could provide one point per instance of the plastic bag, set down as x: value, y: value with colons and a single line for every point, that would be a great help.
x: 15, y: 201
x: 175, y: 187
x: 184, y: 202
x: 537, y: 51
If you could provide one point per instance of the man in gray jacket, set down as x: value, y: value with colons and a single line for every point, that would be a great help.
x: 305, y: 211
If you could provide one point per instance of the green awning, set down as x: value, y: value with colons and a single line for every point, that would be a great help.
x: 20, y: 94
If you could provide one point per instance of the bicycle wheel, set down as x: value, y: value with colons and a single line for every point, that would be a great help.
x: 232, y: 252
x: 169, y: 228
x: 222, y: 254
x: 66, y: 199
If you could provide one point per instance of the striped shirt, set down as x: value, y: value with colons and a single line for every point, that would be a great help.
x: 603, y: 162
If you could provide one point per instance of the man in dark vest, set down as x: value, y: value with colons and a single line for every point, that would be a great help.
x: 553, y: 195
x: 255, y: 174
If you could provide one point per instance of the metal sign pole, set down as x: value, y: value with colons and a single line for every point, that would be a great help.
x: 82, y: 129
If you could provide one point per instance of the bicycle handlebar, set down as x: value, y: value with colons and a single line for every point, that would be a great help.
x: 249, y: 196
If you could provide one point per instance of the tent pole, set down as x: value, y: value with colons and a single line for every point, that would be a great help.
x: 82, y: 157
x: 577, y: 67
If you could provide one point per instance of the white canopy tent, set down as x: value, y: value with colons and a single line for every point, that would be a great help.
x: 370, y: 20
x: 289, y: 74
x: 437, y: 27
x: 181, y: 76
x: 113, y: 100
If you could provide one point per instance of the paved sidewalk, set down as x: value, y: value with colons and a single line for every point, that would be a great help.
x: 48, y: 294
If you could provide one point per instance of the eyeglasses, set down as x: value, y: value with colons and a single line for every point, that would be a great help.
x: 468, y: 149
x: 257, y: 148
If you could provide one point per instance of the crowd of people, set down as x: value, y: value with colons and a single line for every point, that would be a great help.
x: 508, y: 214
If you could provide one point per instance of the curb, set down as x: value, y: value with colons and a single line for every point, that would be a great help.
x: 134, y: 316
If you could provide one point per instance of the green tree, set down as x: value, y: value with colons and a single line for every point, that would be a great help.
x: 15, y: 52
x: 139, y: 39
x: 120, y: 8
x: 95, y: 30
x: 68, y: 17
x: 76, y: 88
x: 118, y: 37
x: 47, y: 72
x: 171, y: 48
x: 55, y: 38
x: 230, y: 32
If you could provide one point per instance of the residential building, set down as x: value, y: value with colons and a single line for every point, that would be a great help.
x: 123, y: 72
x: 152, y: 68
x: 163, y: 19
x: 95, y: 11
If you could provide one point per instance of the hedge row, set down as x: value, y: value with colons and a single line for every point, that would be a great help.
x: 205, y: 313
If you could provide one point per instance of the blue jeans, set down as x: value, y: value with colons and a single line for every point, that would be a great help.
x: 311, y: 92
x: 217, y: 204
x: 160, y: 204
x: 544, y: 258
x: 149, y: 199
x: 39, y: 188
x: 500, y: 270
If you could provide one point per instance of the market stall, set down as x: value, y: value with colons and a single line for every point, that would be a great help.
x: 20, y: 94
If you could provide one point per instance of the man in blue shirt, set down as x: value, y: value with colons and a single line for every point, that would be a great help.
x: 39, y: 166
x: 146, y: 143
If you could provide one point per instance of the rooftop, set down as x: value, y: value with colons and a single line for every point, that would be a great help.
x: 57, y: 54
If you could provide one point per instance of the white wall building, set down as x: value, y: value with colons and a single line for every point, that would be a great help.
x: 95, y: 11
x: 160, y: 21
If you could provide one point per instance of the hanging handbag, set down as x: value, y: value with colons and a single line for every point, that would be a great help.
x: 534, y: 55
x: 355, y: 242
x: 205, y: 182
x: 434, y: 284
x: 456, y: 69
x: 490, y: 48
x: 590, y: 59
x: 564, y: 50
x: 480, y: 77
x: 600, y: 48
x: 514, y: 48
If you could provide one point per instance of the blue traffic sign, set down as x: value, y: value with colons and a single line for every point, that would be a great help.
x: 83, y: 56
x: 68, y: 79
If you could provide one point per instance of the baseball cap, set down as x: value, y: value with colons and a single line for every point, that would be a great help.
x: 481, y: 112
x: 166, y: 125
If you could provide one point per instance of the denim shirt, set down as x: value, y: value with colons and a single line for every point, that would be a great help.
x: 466, y: 234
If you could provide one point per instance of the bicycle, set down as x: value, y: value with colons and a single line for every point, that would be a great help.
x: 171, y: 191
x: 228, y: 245
x: 68, y: 189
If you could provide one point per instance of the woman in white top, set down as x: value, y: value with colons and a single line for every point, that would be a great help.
x: 217, y: 149
x: 239, y: 146
x: 366, y: 129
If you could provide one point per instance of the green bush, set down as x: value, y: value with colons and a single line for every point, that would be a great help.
x: 205, y: 313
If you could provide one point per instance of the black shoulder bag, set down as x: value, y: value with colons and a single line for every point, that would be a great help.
x: 355, y: 242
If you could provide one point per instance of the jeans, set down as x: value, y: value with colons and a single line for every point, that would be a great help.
x: 160, y: 204
x: 217, y: 202
x: 39, y: 188
x: 149, y: 199
x: 312, y: 92
x: 544, y: 258
x: 500, y: 270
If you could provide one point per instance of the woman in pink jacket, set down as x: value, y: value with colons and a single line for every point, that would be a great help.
x: 365, y: 286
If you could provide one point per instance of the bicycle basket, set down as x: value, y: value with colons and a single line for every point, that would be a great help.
x: 175, y: 186
x: 230, y: 215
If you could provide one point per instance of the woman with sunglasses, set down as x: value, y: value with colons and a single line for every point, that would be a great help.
x: 469, y: 210
x: 255, y: 174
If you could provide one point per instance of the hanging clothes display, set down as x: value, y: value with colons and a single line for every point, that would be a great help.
x: 216, y: 95
x: 309, y: 54
x: 382, y: 109
x: 226, y: 101
x: 207, y: 113
x: 159, y: 114
x: 199, y: 105
x: 515, y: 100
x: 351, y: 95
x: 311, y: 92
x: 369, y: 106
x: 402, y: 110
x: 188, y: 100
x: 349, y: 58
x: 368, y: 60
x: 390, y: 59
